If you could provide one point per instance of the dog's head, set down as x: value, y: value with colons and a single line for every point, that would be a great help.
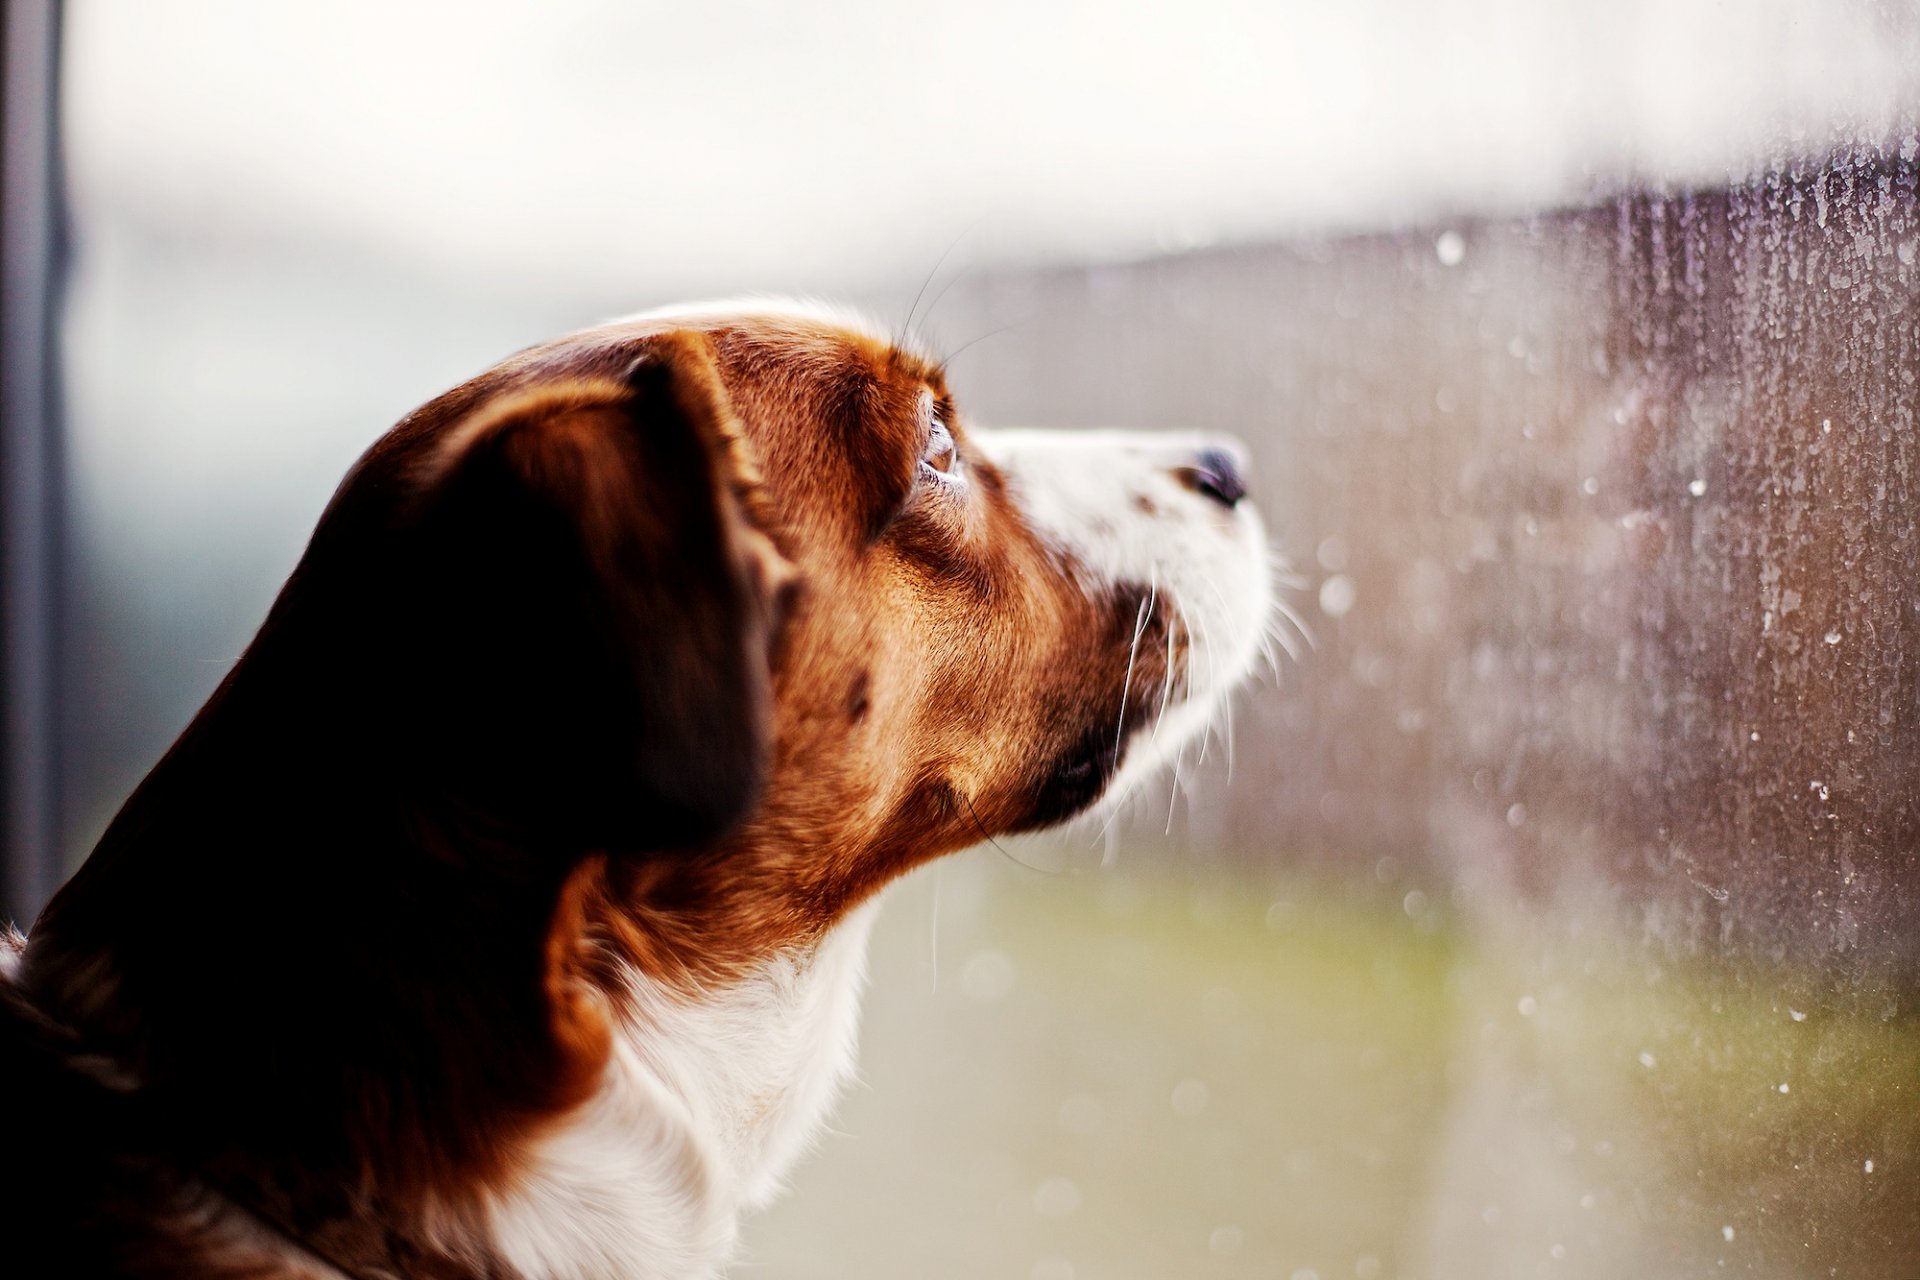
x: 741, y: 597
x: 745, y: 587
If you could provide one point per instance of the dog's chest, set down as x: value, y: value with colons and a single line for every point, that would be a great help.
x: 759, y: 1065
x: 705, y: 1105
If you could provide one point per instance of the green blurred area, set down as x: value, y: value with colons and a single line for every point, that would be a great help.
x: 1141, y: 1075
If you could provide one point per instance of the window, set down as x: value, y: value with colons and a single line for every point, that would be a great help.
x: 1549, y: 911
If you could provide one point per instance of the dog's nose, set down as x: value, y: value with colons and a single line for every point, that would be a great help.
x: 1217, y: 473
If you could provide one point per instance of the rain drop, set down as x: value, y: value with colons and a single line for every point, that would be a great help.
x: 987, y: 975
x: 1189, y: 1098
x: 1056, y: 1198
x: 1226, y: 1240
x: 1337, y: 595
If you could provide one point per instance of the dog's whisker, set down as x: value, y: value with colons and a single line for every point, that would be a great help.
x: 933, y: 936
x: 906, y: 326
x: 958, y: 351
x: 1002, y: 849
x: 1173, y: 792
x: 1133, y: 651
x: 1226, y: 706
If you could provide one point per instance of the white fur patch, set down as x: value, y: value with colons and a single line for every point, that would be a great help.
x: 704, y: 1107
x: 1083, y: 490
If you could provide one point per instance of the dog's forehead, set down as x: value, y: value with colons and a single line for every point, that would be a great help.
x: 802, y: 328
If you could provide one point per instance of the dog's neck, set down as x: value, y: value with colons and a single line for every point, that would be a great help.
x: 706, y: 1102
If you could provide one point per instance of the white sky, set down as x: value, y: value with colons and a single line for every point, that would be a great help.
x: 793, y: 145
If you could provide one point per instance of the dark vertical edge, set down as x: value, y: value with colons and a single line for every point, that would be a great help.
x: 31, y: 470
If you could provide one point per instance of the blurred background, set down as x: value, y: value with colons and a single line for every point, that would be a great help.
x: 1550, y: 913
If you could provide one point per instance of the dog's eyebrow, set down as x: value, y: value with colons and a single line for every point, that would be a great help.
x: 885, y: 425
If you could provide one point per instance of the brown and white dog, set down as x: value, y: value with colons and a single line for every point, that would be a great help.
x: 503, y: 913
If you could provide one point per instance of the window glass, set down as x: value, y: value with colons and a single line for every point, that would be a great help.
x: 1545, y: 910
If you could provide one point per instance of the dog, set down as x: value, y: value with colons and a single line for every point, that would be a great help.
x: 503, y: 912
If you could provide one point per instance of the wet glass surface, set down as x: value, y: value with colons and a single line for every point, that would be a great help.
x: 1606, y: 529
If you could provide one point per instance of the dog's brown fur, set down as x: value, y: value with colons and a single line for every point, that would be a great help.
x: 636, y: 649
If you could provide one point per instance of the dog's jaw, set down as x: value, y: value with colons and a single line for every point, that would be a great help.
x: 1115, y: 504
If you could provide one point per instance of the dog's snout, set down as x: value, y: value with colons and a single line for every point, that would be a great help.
x: 1216, y: 473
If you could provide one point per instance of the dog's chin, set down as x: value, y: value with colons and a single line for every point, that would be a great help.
x: 1074, y: 783
x: 1097, y: 776
x: 1156, y: 747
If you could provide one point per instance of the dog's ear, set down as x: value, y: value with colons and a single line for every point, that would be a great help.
x: 588, y: 604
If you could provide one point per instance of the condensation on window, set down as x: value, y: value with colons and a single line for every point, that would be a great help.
x: 1555, y: 914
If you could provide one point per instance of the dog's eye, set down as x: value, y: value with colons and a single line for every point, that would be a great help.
x: 941, y: 458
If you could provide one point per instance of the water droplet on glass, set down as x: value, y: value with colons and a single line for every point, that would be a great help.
x: 1332, y: 553
x: 1646, y: 1060
x: 1528, y: 1006
x: 1797, y: 1015
x: 1366, y: 1266
x: 1697, y: 487
x: 1726, y: 1233
x: 1450, y: 248
x: 1226, y: 1240
x: 1868, y: 1166
x: 1516, y: 815
x: 987, y: 975
x: 1590, y: 486
x: 1189, y: 1098
x: 1785, y: 1087
x: 1056, y: 1198
x: 1414, y: 904
x: 1337, y: 595
x: 1833, y: 637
